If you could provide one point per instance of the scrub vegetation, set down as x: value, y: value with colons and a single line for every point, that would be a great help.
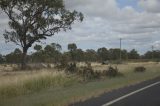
x: 50, y: 87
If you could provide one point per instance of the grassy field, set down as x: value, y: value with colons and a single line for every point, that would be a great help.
x: 52, y: 88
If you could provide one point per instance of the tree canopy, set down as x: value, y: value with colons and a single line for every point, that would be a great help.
x: 103, y: 54
x: 133, y: 54
x: 52, y: 54
x: 37, y: 47
x: 33, y: 20
x: 72, y: 48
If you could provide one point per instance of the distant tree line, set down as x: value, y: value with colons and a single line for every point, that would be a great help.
x: 53, y: 54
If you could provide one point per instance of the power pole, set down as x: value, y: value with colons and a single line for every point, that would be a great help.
x: 120, y: 49
x: 152, y: 52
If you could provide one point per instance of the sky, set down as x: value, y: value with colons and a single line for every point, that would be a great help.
x: 137, y: 22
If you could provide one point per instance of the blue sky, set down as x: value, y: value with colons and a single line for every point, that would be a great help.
x: 133, y: 3
x: 123, y: 3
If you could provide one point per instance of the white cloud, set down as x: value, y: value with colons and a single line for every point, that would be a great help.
x: 105, y: 23
x: 140, y: 27
x: 156, y: 45
x: 150, y: 5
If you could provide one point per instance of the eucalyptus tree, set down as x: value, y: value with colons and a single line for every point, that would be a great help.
x: 133, y: 54
x: 90, y: 55
x: 14, y: 57
x: 103, y: 54
x: 72, y: 48
x: 31, y: 21
x: 38, y: 48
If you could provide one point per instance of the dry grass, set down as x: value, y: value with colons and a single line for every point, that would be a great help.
x: 18, y: 83
x: 128, y: 67
x: 8, y: 78
x: 6, y: 67
x: 14, y: 77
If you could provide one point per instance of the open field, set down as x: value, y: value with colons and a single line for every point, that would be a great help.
x: 52, y: 88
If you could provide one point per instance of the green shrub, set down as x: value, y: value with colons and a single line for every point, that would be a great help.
x: 111, y: 72
x: 88, y: 73
x: 71, y: 68
x: 140, y: 69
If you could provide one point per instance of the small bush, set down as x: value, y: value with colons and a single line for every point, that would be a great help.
x: 111, y: 72
x: 71, y: 68
x: 88, y: 73
x: 140, y: 69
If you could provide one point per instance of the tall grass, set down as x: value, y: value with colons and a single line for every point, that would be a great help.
x: 33, y: 82
x: 14, y: 84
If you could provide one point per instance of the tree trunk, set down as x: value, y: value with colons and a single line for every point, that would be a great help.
x: 24, y: 55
